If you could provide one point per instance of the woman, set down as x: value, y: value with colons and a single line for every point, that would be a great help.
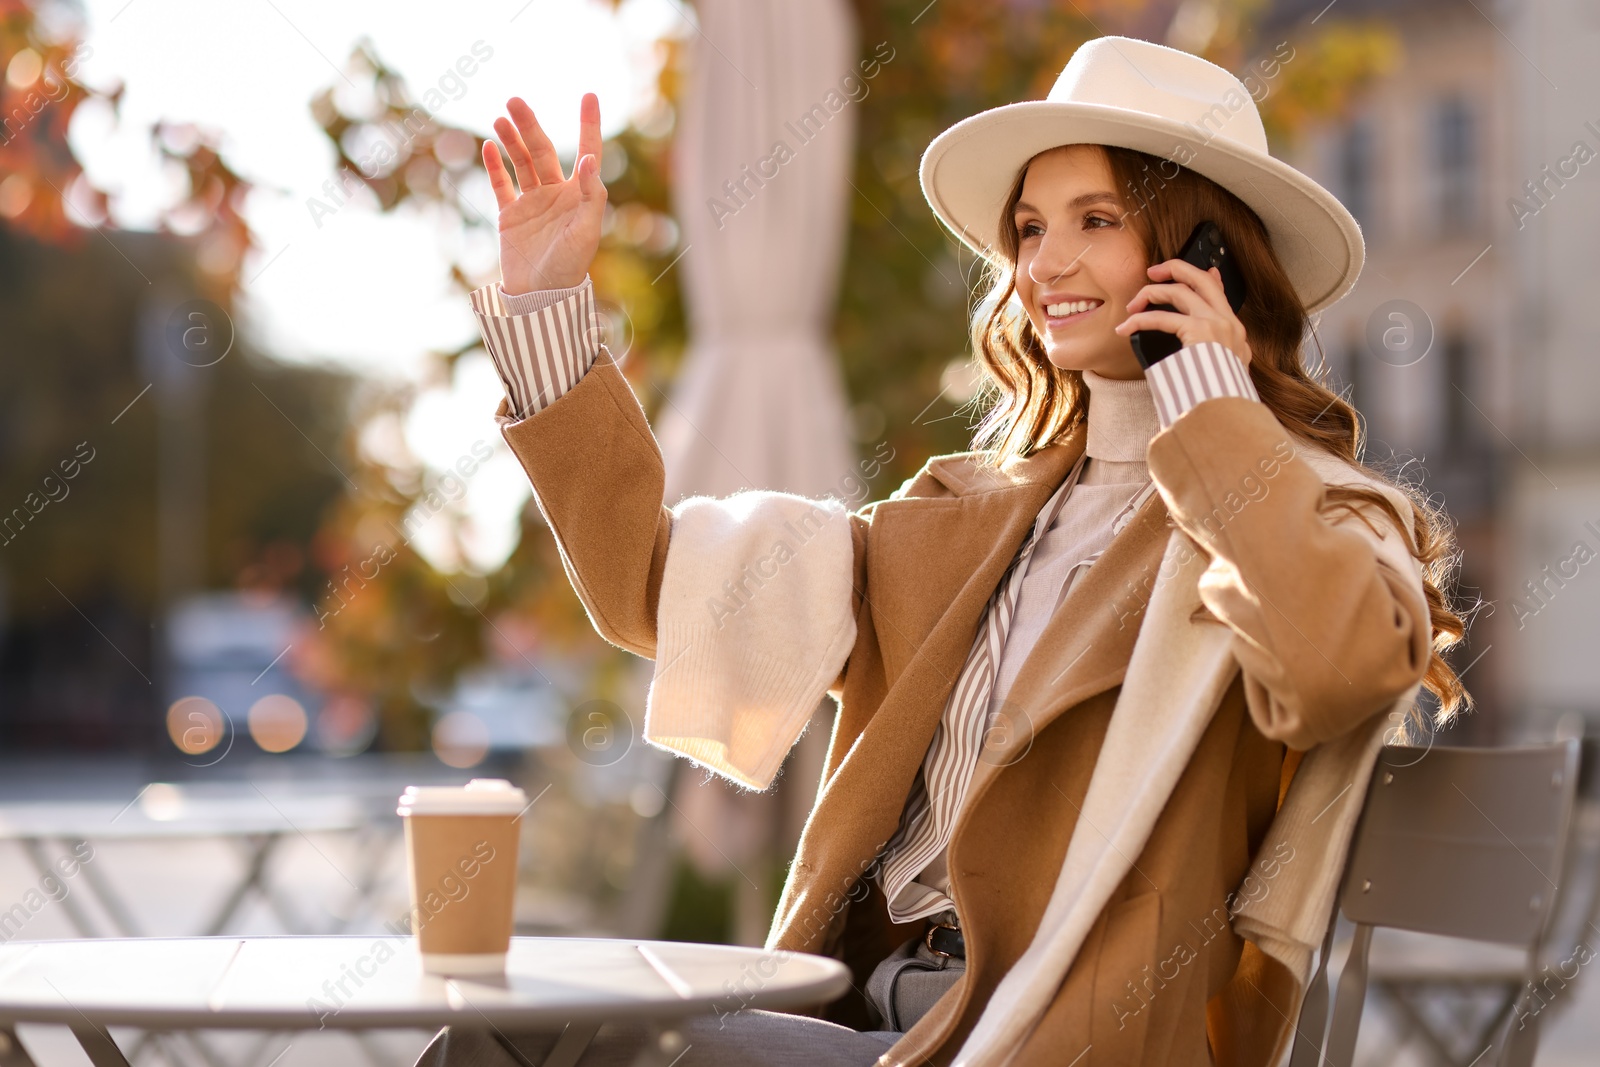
x: 1109, y: 685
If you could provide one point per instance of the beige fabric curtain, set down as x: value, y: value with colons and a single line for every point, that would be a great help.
x: 761, y: 184
x: 762, y: 158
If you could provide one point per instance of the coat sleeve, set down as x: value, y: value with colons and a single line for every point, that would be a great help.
x: 598, y: 479
x: 1329, y: 618
x: 860, y: 524
x: 918, y: 484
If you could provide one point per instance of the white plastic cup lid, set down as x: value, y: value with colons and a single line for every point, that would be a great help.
x: 481, y: 796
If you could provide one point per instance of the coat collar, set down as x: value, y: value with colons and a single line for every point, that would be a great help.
x: 916, y: 601
x: 968, y: 526
x: 964, y: 474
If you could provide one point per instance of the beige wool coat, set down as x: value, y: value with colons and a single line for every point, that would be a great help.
x: 1327, y: 635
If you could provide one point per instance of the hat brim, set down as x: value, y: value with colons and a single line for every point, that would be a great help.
x: 967, y: 173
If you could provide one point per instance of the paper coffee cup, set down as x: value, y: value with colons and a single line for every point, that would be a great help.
x: 461, y: 859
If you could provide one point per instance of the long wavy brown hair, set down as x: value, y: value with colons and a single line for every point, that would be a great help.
x: 1036, y: 403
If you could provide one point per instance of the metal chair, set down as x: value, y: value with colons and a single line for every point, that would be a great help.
x: 1457, y: 842
x: 1454, y: 994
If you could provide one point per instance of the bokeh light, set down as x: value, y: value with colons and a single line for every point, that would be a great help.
x: 345, y: 726
x: 460, y: 739
x: 195, y: 725
x: 161, y: 801
x: 277, y: 722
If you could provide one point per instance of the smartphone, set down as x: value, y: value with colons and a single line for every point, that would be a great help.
x: 1205, y: 249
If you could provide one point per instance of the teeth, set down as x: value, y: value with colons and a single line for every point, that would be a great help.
x: 1071, y: 307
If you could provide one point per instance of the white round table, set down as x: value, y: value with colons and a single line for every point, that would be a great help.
x: 374, y: 982
x: 163, y: 811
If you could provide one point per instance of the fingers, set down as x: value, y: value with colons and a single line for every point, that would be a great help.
x: 1208, y: 283
x: 512, y: 140
x: 589, y: 143
x: 1172, y: 322
x: 587, y: 171
x: 505, y: 191
x: 534, y: 158
x: 1181, y: 297
x: 540, y: 152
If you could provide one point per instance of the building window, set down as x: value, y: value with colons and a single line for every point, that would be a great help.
x: 1455, y: 166
x: 1455, y: 410
x: 1355, y: 170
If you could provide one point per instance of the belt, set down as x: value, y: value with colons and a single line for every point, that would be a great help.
x: 944, y: 939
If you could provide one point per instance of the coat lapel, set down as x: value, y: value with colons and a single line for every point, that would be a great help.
x: 1175, y: 680
x: 940, y: 558
x: 1084, y: 648
x: 1083, y: 651
x: 933, y: 562
x: 926, y: 605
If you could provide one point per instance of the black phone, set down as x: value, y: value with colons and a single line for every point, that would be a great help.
x: 1205, y: 249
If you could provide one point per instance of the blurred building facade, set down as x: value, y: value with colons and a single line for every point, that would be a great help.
x: 1469, y: 343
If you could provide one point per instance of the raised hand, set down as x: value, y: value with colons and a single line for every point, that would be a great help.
x: 549, y: 232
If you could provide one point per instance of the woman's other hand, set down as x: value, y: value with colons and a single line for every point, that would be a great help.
x: 549, y: 231
x: 1203, y: 311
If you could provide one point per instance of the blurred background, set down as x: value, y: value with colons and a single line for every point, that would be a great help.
x: 265, y: 559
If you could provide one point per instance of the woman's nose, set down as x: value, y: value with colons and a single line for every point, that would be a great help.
x: 1056, y: 259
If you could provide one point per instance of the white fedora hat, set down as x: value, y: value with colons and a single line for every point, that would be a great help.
x: 1133, y: 94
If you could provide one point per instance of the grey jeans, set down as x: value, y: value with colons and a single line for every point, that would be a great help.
x: 901, y: 990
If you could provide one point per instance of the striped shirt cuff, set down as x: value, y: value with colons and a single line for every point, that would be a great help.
x: 1198, y: 372
x: 541, y: 342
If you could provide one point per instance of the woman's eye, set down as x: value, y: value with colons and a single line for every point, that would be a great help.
x: 1090, y: 222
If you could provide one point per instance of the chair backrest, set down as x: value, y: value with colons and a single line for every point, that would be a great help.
x: 1575, y: 916
x: 1460, y: 842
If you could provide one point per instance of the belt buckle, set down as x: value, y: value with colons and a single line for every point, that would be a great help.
x: 927, y: 939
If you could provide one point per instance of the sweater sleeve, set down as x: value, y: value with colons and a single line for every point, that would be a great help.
x: 1327, y: 607
x: 755, y: 624
x: 541, y: 342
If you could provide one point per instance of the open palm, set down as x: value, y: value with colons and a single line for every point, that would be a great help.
x: 550, y: 230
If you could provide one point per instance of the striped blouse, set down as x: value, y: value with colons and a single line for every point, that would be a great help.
x: 543, y: 342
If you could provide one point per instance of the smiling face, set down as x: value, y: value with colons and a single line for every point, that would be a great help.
x: 1079, y: 262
